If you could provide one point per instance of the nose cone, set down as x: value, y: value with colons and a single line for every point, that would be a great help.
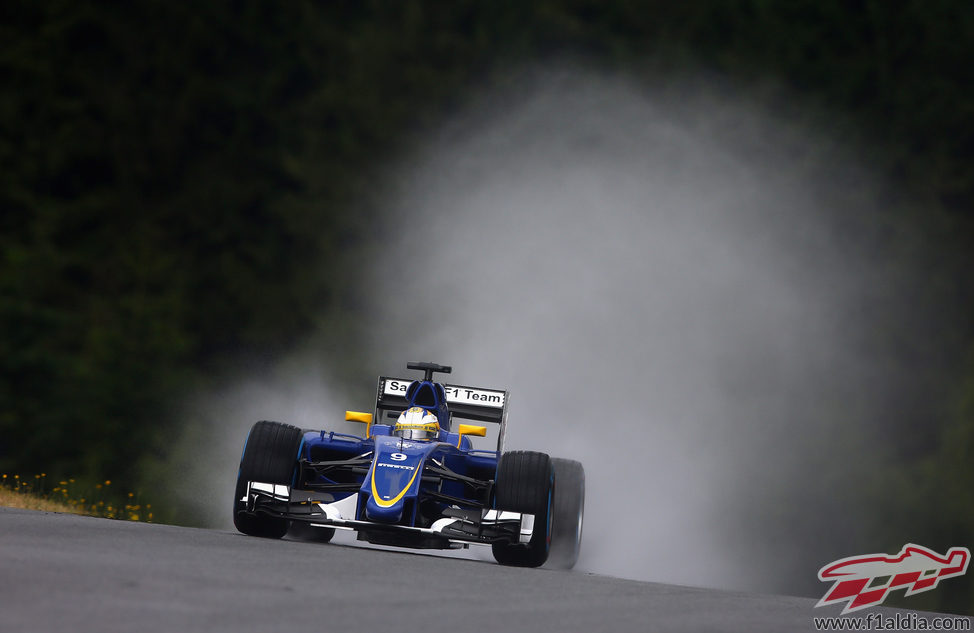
x: 390, y: 514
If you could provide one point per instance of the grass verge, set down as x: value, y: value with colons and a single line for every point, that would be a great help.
x: 100, y: 500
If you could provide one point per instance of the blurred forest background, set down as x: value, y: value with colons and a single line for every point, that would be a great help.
x: 188, y: 189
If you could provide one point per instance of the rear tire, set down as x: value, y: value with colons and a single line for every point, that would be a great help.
x: 569, y: 511
x: 270, y: 456
x: 525, y: 484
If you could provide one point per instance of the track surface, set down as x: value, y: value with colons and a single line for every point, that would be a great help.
x: 62, y: 573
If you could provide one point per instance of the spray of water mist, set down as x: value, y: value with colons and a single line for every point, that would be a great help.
x: 658, y: 281
x: 202, y: 468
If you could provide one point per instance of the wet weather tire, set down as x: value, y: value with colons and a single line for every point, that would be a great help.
x: 270, y: 456
x: 306, y: 532
x: 525, y: 484
x: 568, y: 512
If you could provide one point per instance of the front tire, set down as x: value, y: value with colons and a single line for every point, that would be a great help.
x: 525, y: 484
x: 270, y: 456
x: 569, y: 511
x: 305, y: 532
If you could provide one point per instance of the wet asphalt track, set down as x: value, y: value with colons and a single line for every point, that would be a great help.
x: 68, y: 573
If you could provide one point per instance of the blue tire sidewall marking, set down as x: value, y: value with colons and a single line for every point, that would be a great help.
x: 294, y: 475
x: 551, y: 489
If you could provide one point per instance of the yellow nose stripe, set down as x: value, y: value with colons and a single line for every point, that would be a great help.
x: 382, y: 503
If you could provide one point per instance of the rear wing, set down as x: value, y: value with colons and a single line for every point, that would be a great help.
x: 468, y: 403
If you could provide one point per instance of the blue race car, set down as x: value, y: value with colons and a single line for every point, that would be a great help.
x: 414, y: 480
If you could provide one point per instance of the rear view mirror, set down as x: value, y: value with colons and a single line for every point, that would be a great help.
x: 357, y: 416
x: 470, y: 429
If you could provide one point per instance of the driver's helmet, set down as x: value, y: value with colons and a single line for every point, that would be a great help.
x: 416, y: 423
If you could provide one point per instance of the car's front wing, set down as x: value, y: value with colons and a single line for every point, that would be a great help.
x: 456, y: 528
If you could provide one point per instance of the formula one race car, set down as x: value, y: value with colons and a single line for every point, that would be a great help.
x: 414, y: 480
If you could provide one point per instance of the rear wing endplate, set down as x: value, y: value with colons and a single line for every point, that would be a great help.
x: 468, y: 403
